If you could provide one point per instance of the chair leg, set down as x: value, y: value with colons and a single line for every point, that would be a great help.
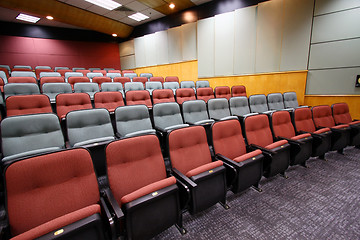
x: 304, y: 165
x: 224, y: 204
x: 180, y: 226
x: 341, y: 151
x: 323, y: 157
x: 256, y: 187
x: 284, y: 175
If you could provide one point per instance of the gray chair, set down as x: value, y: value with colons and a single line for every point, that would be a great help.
x: 133, y: 121
x: 7, y: 67
x: 147, y: 75
x: 12, y: 89
x: 23, y: 66
x: 59, y: 68
x: 130, y: 75
x: 239, y: 106
x: 113, y: 75
x: 77, y: 68
x: 219, y: 109
x: 195, y: 113
x: 23, y: 74
x: 73, y: 74
x: 90, y: 126
x: 90, y: 75
x: 50, y: 74
x: 3, y: 76
x: 188, y: 84
x: 112, y: 87
x: 171, y: 85
x: 290, y: 100
x: 107, y: 69
x: 86, y: 87
x: 134, y: 86
x: 53, y: 89
x: 167, y: 117
x: 92, y: 69
x: 275, y: 101
x: 30, y: 134
x: 151, y: 86
x: 258, y: 104
x: 42, y: 67
x: 202, y: 84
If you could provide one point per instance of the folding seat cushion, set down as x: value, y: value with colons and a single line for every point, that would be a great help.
x: 30, y: 134
x: 151, y: 86
x: 73, y: 80
x: 239, y: 106
x: 202, y: 84
x: 113, y: 75
x: 83, y: 71
x: 140, y: 186
x: 301, y: 145
x: 219, y: 109
x: 138, y: 97
x: 112, y: 87
x: 163, y: 95
x: 259, y: 136
x: 184, y: 94
x: 157, y: 79
x: 171, y: 85
x: 143, y: 80
x: 67, y: 102
x: 195, y: 113
x: 40, y: 70
x: 133, y: 121
x: 229, y: 146
x: 290, y: 100
x: 133, y: 86
x: 192, y: 164
x: 53, y: 89
x: 167, y: 116
x: 130, y: 75
x: 12, y: 89
x: 51, y: 80
x: 342, y: 116
x: 90, y: 75
x: 205, y: 93
x: 222, y: 92
x: 258, y: 104
x: 304, y: 123
x: 73, y: 74
x: 238, y: 91
x: 147, y: 75
x: 23, y: 74
x: 49, y: 74
x: 64, y: 195
x: 108, y: 100
x: 63, y: 71
x: 275, y: 101
x: 100, y: 80
x: 100, y: 71
x: 27, y: 104
x: 89, y: 126
x: 122, y: 80
x: 188, y: 84
x: 340, y: 137
x: 89, y: 88
x: 172, y: 79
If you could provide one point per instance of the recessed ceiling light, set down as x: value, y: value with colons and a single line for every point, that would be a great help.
x: 172, y: 6
x: 108, y: 4
x: 114, y: 35
x: 27, y: 18
x: 49, y: 17
x: 138, y: 17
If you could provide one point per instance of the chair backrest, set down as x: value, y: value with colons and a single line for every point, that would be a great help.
x: 109, y: 69
x: 4, y: 76
x: 113, y: 75
x: 131, y: 119
x: 85, y: 125
x: 281, y: 124
x: 83, y: 71
x: 5, y: 66
x: 64, y: 182
x: 44, y: 80
x: 194, y: 111
x: 100, y: 80
x: 100, y: 71
x: 27, y: 104
x: 218, y: 108
x: 257, y: 130
x: 23, y: 66
x: 73, y: 74
x: 23, y: 74
x: 12, y: 89
x: 67, y: 102
x: 222, y: 92
x: 108, y: 100
x: 205, y: 93
x: 151, y: 86
x: 143, y: 80
x: 22, y: 80
x: 239, y: 106
x: 127, y: 71
x: 89, y: 88
x: 114, y: 71
x: 122, y: 80
x: 202, y: 84
x: 130, y: 75
x: 133, y: 86
x: 172, y: 79
x: 322, y: 116
x: 94, y: 68
x: 228, y: 139
x: 138, y: 97
x: 163, y: 95
x: 157, y: 79
x: 49, y: 74
x: 63, y: 71
x: 53, y: 89
x: 290, y: 100
x: 171, y: 85
x: 238, y: 91
x: 90, y: 75
x: 73, y: 80
x: 187, y: 153
x: 42, y: 67
x: 40, y: 70
x: 147, y: 75
x: 28, y: 133
x: 258, y: 104
x: 184, y: 94
x: 187, y: 84
x: 60, y: 68
x: 303, y: 120
x: 275, y: 101
x: 166, y: 115
x: 77, y: 68
x: 341, y: 113
x: 112, y: 87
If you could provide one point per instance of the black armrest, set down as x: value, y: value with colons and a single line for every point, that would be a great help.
x: 264, y: 150
x: 291, y: 141
x: 339, y: 130
x: 177, y: 174
x: 110, y: 199
x: 312, y: 134
x: 91, y: 145
x: 184, y: 198
x: 221, y: 157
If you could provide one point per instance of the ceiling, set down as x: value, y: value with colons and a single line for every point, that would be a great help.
x: 84, y: 15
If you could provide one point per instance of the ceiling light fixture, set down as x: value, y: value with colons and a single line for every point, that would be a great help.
x: 138, y: 17
x: 172, y: 6
x: 27, y: 18
x: 108, y: 4
x: 49, y: 17
x: 114, y: 35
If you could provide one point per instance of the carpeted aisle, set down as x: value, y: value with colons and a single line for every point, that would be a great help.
x: 321, y: 202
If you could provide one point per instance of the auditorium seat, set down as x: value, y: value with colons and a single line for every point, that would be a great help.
x: 192, y: 164
x: 163, y: 95
x: 140, y: 187
x: 238, y: 91
x: 23, y: 74
x: 300, y: 145
x: 147, y: 75
x: 67, y: 102
x: 157, y: 79
x: 108, y: 100
x: 133, y: 121
x: 143, y: 80
x: 239, y: 106
x: 12, y: 89
x: 54, y: 196
x: 5, y: 70
x: 77, y: 68
x: 90, y: 75
x: 114, y: 71
x: 63, y: 71
x: 340, y: 134
x: 60, y: 68
x: 109, y: 69
x: 258, y: 136
x: 229, y: 147
x: 112, y: 87
x: 195, y: 113
x: 184, y: 94
x: 100, y: 80
x: 22, y: 66
x: 127, y: 71
x: 53, y: 89
x: 151, y: 86
x: 130, y: 75
x: 222, y: 92
x: 73, y: 80
x: 100, y: 71
x: 202, y: 84
x: 27, y: 104
x: 138, y: 97
x: 44, y: 80
x: 167, y: 116
x: 73, y: 74
x: 258, y: 104
x: 83, y: 71
x: 22, y: 80
x: 89, y: 88
x: 172, y: 79
x: 94, y: 68
x: 188, y: 84
x: 133, y: 86
x: 219, y: 109
x: 171, y: 85
x: 205, y: 93
x: 290, y: 100
x: 41, y: 69
x: 122, y: 80
x: 275, y: 101
x: 49, y: 74
x: 27, y: 135
x: 4, y: 77
x: 113, y: 75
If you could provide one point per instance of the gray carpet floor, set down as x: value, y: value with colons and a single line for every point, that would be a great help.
x: 320, y: 202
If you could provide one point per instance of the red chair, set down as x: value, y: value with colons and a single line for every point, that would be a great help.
x: 163, y: 95
x: 229, y: 146
x: 172, y: 79
x: 22, y: 80
x: 21, y: 70
x: 205, y: 93
x: 140, y: 79
x: 2, y: 85
x: 157, y: 79
x: 184, y: 94
x: 73, y: 80
x: 108, y: 100
x: 238, y: 91
x: 127, y: 71
x: 51, y: 80
x: 100, y: 71
x: 39, y: 70
x: 83, y: 71
x: 63, y: 71
x: 67, y: 102
x: 27, y: 104
x: 138, y: 97
x: 114, y: 71
x: 100, y: 80
x: 222, y: 92
x: 122, y: 80
x: 6, y: 71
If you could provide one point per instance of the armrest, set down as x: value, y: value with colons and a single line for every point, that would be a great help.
x: 291, y: 141
x: 177, y: 174
x: 110, y: 199
x: 264, y: 150
x: 221, y: 157
x: 312, y: 134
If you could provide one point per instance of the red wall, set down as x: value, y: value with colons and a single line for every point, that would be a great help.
x: 57, y: 53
